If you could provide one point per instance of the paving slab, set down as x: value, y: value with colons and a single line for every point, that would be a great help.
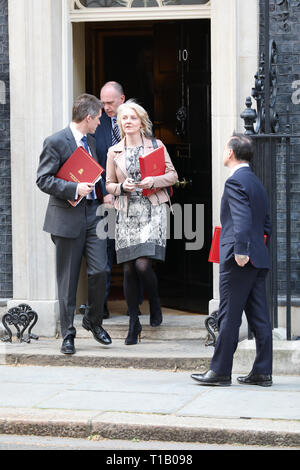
x: 146, y: 404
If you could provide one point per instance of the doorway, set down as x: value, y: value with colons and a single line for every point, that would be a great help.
x: 165, y: 65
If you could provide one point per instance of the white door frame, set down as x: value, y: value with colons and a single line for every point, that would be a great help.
x: 234, y: 59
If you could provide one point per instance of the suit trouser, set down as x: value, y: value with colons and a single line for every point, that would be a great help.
x: 110, y: 262
x: 69, y: 252
x: 242, y: 289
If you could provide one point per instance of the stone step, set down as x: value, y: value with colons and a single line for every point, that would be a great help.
x: 189, y: 355
x: 177, y: 325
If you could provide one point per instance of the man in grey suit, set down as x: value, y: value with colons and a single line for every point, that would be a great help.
x: 73, y: 229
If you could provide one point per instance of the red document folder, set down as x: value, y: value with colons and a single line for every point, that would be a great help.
x: 214, y: 249
x: 80, y: 167
x: 152, y: 164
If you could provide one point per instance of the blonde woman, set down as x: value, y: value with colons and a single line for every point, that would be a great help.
x: 141, y: 223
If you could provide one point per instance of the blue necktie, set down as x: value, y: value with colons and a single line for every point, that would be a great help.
x: 115, y: 135
x: 92, y: 195
x: 85, y: 143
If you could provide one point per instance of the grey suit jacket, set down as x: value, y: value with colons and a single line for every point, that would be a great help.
x: 61, y: 218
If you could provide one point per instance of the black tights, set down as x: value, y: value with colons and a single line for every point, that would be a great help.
x: 134, y: 271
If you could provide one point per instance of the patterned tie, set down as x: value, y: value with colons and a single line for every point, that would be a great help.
x: 115, y: 135
x: 91, y: 195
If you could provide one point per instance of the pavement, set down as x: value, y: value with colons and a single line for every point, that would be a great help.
x: 145, y: 391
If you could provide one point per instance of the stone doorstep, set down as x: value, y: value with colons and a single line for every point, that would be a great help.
x: 149, y: 354
x: 190, y: 355
x: 128, y: 426
x: 172, y: 328
x: 177, y: 344
x: 176, y: 324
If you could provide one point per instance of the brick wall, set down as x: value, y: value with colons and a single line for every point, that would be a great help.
x: 5, y: 191
x: 285, y: 30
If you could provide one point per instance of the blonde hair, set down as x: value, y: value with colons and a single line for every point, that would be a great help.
x: 146, y: 129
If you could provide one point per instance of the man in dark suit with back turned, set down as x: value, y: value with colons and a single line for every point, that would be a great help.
x: 73, y: 229
x: 244, y: 264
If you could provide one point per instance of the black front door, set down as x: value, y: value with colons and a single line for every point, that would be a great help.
x: 183, y: 121
x: 165, y: 65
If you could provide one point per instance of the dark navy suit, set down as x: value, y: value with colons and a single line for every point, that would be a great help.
x: 103, y: 142
x: 245, y: 219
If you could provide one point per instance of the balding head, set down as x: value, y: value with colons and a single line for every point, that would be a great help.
x: 112, y: 96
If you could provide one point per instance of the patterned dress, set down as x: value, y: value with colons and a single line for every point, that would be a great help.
x: 142, y: 229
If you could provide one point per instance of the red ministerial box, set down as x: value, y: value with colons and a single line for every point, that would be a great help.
x: 214, y: 249
x: 152, y: 164
x: 80, y: 167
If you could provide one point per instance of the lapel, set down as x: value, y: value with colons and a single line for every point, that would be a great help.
x: 119, y: 150
x: 106, y: 123
x: 73, y: 146
x: 92, y: 145
x: 70, y: 139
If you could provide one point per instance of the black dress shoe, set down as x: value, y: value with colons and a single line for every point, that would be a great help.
x: 264, y: 380
x: 211, y: 378
x: 67, y: 346
x: 82, y: 309
x: 99, y: 333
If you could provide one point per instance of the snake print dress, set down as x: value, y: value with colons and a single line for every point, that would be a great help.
x: 142, y: 229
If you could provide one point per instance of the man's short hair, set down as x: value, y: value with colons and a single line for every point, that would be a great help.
x: 117, y: 87
x: 86, y: 105
x: 242, y: 147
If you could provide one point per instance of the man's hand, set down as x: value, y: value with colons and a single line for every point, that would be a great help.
x: 108, y: 200
x: 241, y: 260
x: 85, y: 188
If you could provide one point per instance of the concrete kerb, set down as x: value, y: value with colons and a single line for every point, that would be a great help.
x: 148, y: 428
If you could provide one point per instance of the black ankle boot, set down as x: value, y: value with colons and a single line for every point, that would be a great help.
x: 134, y: 331
x: 155, y: 312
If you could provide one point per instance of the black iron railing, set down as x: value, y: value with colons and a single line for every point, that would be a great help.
x: 271, y: 162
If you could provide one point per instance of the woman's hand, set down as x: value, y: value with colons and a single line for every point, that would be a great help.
x: 146, y: 183
x: 129, y: 185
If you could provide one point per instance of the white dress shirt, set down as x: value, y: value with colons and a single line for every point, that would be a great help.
x: 237, y: 167
x: 78, y: 136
